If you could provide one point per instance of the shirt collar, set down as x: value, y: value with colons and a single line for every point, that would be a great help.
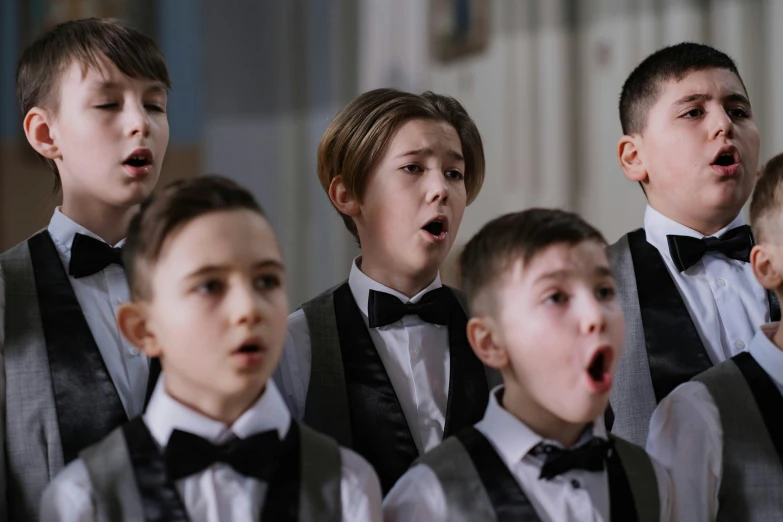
x: 657, y: 227
x: 63, y: 229
x: 165, y: 414
x: 766, y: 353
x: 361, y: 285
x: 512, y: 438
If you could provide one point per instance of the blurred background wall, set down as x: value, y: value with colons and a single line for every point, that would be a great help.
x: 255, y: 83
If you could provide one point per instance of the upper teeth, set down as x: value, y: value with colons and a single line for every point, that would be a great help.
x: 141, y: 158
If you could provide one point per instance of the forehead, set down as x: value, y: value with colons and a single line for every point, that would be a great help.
x: 420, y: 133
x: 716, y: 82
x: 100, y: 75
x: 579, y: 260
x: 221, y: 238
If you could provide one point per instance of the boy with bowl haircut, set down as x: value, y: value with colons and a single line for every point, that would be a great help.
x: 684, y: 282
x: 543, y: 313
x: 720, y: 434
x: 381, y: 362
x: 217, y: 442
x: 93, y: 94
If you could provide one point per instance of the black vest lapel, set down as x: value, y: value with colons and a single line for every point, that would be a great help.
x: 87, y: 404
x: 774, y: 307
x: 159, y: 496
x: 674, y: 349
x: 378, y: 425
x: 282, y: 496
x: 621, y: 501
x: 767, y: 396
x: 508, y: 500
x: 468, y: 389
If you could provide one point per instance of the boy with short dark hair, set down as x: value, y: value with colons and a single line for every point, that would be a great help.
x: 217, y: 442
x: 381, y: 362
x: 720, y: 434
x: 684, y: 282
x: 543, y: 313
x: 93, y: 94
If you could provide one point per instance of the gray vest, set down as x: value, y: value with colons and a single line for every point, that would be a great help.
x: 751, y: 487
x: 117, y: 498
x: 468, y: 500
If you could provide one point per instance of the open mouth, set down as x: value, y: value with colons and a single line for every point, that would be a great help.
x: 725, y: 160
x: 598, y: 371
x: 139, y: 158
x: 437, y: 228
x: 249, y: 348
x: 727, y: 157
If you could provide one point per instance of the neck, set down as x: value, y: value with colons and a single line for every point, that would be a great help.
x: 225, y: 409
x: 107, y: 222
x: 406, y: 284
x: 707, y: 225
x: 518, y: 403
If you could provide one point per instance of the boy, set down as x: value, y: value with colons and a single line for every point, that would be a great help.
x: 381, y: 362
x: 543, y: 313
x: 217, y: 442
x: 93, y: 94
x: 684, y: 281
x: 720, y: 435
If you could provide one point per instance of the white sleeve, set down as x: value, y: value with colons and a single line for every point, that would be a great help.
x: 292, y: 375
x: 687, y: 439
x: 360, y: 489
x: 68, y: 497
x: 417, y: 497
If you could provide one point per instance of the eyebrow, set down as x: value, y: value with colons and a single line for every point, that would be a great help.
x: 733, y: 97
x: 600, y: 271
x: 108, y: 85
x: 213, y: 269
x: 427, y: 151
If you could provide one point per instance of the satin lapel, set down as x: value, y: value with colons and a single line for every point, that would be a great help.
x: 621, y: 500
x: 159, y: 495
x: 282, y: 497
x: 508, y: 500
x: 468, y: 389
x: 379, y: 429
x: 767, y: 396
x: 674, y: 349
x: 87, y: 404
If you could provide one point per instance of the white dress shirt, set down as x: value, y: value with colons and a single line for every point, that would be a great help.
x: 415, y: 354
x: 99, y: 296
x: 687, y: 438
x: 217, y: 494
x: 574, y: 496
x: 721, y: 294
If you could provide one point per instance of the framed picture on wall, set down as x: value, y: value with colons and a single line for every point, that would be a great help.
x: 459, y: 28
x: 38, y: 16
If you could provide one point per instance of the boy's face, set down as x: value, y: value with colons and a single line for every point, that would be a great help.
x: 414, y: 199
x: 218, y: 309
x: 110, y: 133
x: 699, y: 152
x: 562, y: 331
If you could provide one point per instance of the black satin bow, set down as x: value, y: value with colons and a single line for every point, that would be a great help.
x: 256, y: 456
x: 89, y: 256
x: 686, y: 251
x: 383, y: 308
x: 590, y: 456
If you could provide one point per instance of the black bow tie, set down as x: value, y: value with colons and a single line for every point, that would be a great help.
x: 255, y: 456
x: 383, y: 308
x: 89, y: 256
x: 590, y: 456
x: 686, y: 251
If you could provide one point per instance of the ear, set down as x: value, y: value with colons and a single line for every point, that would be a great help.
x: 342, y: 199
x: 133, y: 323
x: 628, y: 152
x: 483, y: 342
x: 37, y: 128
x: 763, y: 268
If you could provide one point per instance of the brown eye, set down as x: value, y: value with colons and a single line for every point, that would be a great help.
x: 210, y: 287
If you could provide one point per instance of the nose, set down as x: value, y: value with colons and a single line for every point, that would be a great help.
x: 437, y: 187
x: 137, y: 120
x: 593, y: 317
x: 722, y: 124
x: 245, y: 305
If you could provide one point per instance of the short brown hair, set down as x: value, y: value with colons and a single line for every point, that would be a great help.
x: 767, y: 199
x: 42, y: 64
x: 360, y: 133
x: 514, y: 236
x: 169, y: 210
